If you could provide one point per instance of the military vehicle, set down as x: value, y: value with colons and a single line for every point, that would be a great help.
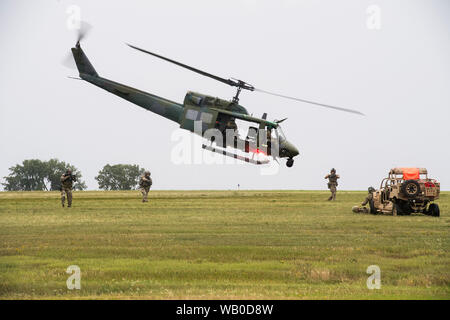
x: 406, y: 191
x: 208, y: 113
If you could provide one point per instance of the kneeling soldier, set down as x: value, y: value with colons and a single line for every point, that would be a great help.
x: 145, y: 183
x: 368, y: 200
x: 67, y: 180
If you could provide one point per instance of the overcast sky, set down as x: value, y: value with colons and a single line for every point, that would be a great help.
x: 395, y: 69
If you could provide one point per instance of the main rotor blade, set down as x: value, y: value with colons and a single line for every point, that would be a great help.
x: 311, y: 102
x: 227, y: 81
x: 240, y: 83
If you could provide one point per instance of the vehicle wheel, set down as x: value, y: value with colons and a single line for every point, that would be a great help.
x: 433, y: 210
x: 372, y: 207
x: 290, y: 162
x: 410, y: 188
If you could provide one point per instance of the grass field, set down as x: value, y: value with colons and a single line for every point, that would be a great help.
x: 218, y: 245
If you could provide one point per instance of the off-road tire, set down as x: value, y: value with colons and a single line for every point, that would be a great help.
x: 372, y: 207
x: 410, y: 188
x: 433, y: 210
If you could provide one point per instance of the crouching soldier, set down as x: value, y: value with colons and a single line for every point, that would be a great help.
x: 367, y: 200
x: 145, y: 183
x: 67, y: 180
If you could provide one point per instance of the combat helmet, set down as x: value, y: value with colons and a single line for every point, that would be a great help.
x: 371, y: 189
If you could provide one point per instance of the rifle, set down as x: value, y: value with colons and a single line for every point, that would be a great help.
x: 73, y: 178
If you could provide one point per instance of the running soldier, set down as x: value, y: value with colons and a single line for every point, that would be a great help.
x: 67, y: 180
x: 332, y: 183
x: 145, y: 183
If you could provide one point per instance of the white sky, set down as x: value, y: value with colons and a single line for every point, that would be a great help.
x: 399, y: 76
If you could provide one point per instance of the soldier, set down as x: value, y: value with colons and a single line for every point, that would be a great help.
x: 332, y: 183
x: 67, y: 180
x: 145, y: 183
x: 368, y: 200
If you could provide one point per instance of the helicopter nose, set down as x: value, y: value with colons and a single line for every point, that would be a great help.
x: 288, y: 150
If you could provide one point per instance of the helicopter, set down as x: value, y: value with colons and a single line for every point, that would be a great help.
x: 201, y: 113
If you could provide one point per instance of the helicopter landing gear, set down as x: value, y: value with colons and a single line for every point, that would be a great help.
x: 290, y: 162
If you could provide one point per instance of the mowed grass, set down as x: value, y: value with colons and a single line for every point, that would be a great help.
x: 218, y: 245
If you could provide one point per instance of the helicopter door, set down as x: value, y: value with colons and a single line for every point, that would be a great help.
x: 208, y: 119
x: 191, y: 114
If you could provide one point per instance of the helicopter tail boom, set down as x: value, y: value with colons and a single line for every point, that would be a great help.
x: 83, y: 64
x: 163, y: 107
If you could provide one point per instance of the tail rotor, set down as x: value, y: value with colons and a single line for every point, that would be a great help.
x: 81, y: 33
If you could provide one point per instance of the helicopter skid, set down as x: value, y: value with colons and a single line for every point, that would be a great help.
x: 233, y: 155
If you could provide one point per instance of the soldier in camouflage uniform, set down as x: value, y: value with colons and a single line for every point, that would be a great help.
x: 368, y: 200
x: 67, y: 180
x: 332, y: 183
x: 145, y: 183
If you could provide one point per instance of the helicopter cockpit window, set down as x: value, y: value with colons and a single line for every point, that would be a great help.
x: 252, y: 133
x: 206, y: 117
x: 191, y: 114
x: 280, y: 133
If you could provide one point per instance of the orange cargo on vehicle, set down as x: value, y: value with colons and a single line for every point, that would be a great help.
x: 411, y: 173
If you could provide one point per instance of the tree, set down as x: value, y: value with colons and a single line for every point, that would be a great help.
x: 119, y: 177
x: 56, y: 168
x: 26, y: 177
x: 35, y: 174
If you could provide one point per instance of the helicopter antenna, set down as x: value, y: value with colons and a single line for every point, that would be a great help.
x: 242, y: 84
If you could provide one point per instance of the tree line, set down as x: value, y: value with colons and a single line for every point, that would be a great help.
x: 38, y: 175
